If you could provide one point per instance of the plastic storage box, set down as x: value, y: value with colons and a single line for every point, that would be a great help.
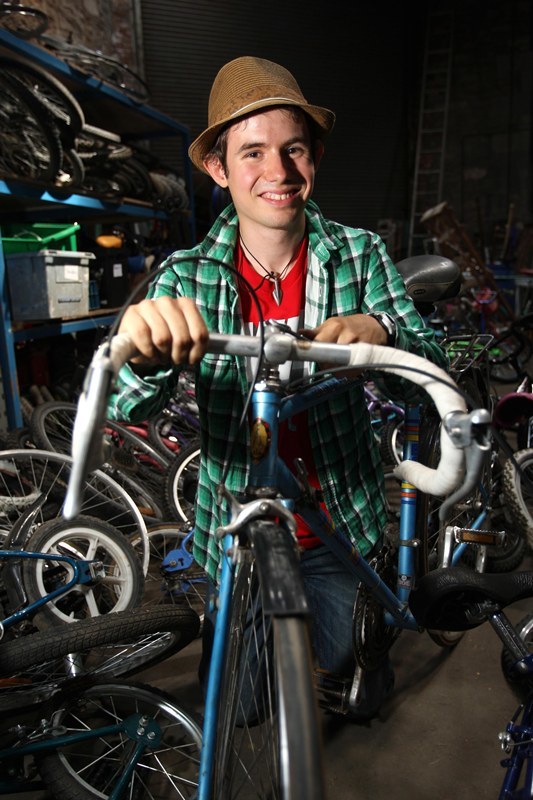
x: 48, y: 284
x: 39, y: 236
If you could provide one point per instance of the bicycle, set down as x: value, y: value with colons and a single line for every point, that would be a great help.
x: 64, y: 571
x: 265, y: 525
x: 87, y: 735
x: 458, y: 599
x: 26, y: 474
x: 63, y: 715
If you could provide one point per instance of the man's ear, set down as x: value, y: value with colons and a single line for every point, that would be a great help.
x: 318, y: 152
x: 214, y: 167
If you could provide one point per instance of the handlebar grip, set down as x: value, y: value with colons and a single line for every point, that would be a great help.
x: 443, y: 391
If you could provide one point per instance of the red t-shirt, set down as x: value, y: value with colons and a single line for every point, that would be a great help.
x: 294, y: 439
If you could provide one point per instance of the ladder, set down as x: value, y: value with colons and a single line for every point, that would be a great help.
x: 432, y: 122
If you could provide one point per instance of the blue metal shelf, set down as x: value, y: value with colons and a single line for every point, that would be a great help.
x: 105, y: 107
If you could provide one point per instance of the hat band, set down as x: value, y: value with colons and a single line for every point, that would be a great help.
x: 273, y: 99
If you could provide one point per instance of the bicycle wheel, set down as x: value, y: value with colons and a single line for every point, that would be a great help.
x: 113, y: 646
x: 391, y: 442
x: 166, y: 767
x: 522, y: 684
x: 27, y: 474
x: 52, y: 93
x: 267, y: 700
x: 508, y: 355
x: 182, y: 481
x: 30, y: 146
x: 101, y: 66
x: 183, y: 582
x: 518, y: 490
x: 118, y: 581
x: 130, y: 459
x: 23, y: 21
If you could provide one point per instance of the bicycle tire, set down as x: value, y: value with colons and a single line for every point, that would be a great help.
x: 103, y: 67
x: 260, y: 750
x: 30, y: 145
x: 507, y: 356
x: 118, y: 584
x: 51, y: 93
x: 181, y: 484
x: 521, y: 684
x: 90, y: 770
x: 130, y: 460
x: 391, y: 442
x: 25, y: 474
x: 23, y: 21
x: 116, y: 645
x: 52, y: 423
x: 517, y: 478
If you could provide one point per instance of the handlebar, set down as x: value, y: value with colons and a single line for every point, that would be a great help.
x: 279, y: 347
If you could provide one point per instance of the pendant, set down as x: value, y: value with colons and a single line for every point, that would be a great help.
x: 277, y: 294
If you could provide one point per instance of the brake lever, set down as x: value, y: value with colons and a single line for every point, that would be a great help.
x: 470, y: 432
x: 87, y: 436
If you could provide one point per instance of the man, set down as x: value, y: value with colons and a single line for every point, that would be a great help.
x: 263, y: 144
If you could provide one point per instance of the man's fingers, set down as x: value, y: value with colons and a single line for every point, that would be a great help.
x: 166, y: 330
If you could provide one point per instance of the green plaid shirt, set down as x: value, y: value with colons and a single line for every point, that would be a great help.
x: 349, y: 272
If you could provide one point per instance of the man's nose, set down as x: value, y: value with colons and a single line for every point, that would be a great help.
x: 277, y: 166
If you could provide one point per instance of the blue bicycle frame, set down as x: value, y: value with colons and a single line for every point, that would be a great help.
x: 270, y: 470
x: 82, y: 573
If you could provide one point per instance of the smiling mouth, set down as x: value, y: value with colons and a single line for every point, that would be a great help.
x: 279, y: 195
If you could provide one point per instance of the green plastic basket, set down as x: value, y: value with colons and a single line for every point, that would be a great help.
x: 39, y: 236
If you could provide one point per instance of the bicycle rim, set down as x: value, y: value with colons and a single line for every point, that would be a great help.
x: 168, y: 768
x: 118, y: 580
x: 27, y: 474
x: 267, y: 702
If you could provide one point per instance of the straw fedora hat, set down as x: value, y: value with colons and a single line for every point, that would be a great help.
x: 245, y: 85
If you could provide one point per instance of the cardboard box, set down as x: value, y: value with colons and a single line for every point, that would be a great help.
x: 48, y: 284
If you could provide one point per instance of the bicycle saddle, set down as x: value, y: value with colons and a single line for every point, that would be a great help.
x: 430, y: 278
x: 451, y: 599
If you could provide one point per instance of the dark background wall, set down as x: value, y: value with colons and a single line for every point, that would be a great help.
x: 360, y: 60
x: 364, y: 60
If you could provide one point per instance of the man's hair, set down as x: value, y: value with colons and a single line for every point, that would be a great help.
x: 220, y: 147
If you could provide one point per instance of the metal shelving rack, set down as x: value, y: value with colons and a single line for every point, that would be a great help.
x: 106, y: 107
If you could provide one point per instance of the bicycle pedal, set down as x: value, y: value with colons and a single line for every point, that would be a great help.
x: 333, y: 692
x: 483, y: 537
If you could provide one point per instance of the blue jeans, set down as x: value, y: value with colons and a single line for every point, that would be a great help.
x: 331, y: 590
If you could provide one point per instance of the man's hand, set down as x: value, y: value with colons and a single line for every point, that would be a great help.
x: 166, y: 331
x: 348, y: 330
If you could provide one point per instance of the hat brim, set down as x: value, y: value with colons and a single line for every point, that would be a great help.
x: 198, y: 150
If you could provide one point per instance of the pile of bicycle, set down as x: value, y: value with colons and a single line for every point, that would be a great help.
x: 44, y: 136
x: 76, y: 721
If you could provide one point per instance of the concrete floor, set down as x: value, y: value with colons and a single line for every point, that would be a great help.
x: 436, y: 738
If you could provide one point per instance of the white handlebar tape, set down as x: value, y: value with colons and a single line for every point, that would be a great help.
x: 436, y: 382
x: 441, y: 388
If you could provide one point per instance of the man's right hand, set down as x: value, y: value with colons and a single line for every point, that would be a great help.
x: 166, y: 330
